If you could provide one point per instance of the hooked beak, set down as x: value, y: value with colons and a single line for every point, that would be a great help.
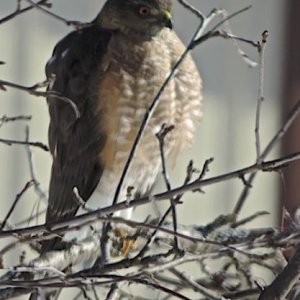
x: 168, y: 19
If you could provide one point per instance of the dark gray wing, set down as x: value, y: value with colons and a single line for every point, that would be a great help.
x: 74, y: 143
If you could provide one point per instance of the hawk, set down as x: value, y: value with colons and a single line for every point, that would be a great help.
x: 112, y: 70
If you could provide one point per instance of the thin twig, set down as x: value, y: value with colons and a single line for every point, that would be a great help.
x: 4, y: 119
x: 76, y: 24
x: 161, y: 136
x: 28, y: 220
x: 113, y: 292
x: 283, y: 283
x: 261, y: 97
x: 33, y: 90
x: 95, y: 293
x: 95, y: 279
x: 190, y: 171
x: 17, y: 199
x: 249, y: 219
x: 213, y: 32
x: 228, y: 34
x: 37, y: 186
x: 272, y: 165
x: 20, y: 10
x: 205, y: 168
x: 293, y: 114
x: 192, y: 9
x: 215, y: 224
x: 33, y: 144
x: 242, y: 294
x: 153, y: 234
x: 230, y: 16
x: 192, y: 283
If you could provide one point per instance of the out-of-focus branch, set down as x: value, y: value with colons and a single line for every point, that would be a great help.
x: 56, y: 261
x: 20, y: 10
x: 261, y: 97
x: 161, y: 136
x: 34, y: 90
x: 195, y: 285
x: 24, y: 143
x: 293, y: 114
x: 37, y: 186
x: 99, y: 280
x: 76, y: 24
x: 283, y: 283
x: 5, y: 119
x: 60, y: 226
x: 17, y: 199
x: 192, y: 9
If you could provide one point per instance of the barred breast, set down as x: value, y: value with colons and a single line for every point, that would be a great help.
x: 132, y: 77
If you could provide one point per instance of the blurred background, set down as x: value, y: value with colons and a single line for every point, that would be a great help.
x: 230, y: 96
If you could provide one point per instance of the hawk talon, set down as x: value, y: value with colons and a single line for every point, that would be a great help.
x: 126, y: 242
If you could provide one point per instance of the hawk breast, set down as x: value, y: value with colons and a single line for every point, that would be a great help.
x: 131, y: 79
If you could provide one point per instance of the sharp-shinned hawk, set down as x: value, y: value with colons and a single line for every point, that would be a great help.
x: 112, y: 70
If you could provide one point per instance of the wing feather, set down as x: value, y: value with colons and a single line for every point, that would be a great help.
x: 75, y: 143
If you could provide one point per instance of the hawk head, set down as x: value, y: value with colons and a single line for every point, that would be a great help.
x: 142, y: 17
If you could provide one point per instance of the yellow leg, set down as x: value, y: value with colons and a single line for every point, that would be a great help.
x: 127, y: 243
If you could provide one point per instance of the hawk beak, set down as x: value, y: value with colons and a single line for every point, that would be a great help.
x: 168, y: 19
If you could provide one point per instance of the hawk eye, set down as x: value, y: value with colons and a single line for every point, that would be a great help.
x: 144, y: 11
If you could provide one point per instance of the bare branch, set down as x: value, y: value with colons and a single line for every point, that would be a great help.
x: 37, y: 186
x: 4, y: 119
x: 196, y: 286
x: 161, y: 135
x: 24, y: 143
x: 293, y: 114
x: 283, y: 283
x: 76, y: 24
x: 261, y: 51
x: 33, y: 90
x: 192, y: 9
x: 20, y: 10
x: 17, y: 199
x: 272, y: 165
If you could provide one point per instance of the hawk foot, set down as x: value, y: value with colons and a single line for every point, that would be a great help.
x: 123, y: 243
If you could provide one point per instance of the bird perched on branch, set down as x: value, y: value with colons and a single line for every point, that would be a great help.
x: 112, y: 70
